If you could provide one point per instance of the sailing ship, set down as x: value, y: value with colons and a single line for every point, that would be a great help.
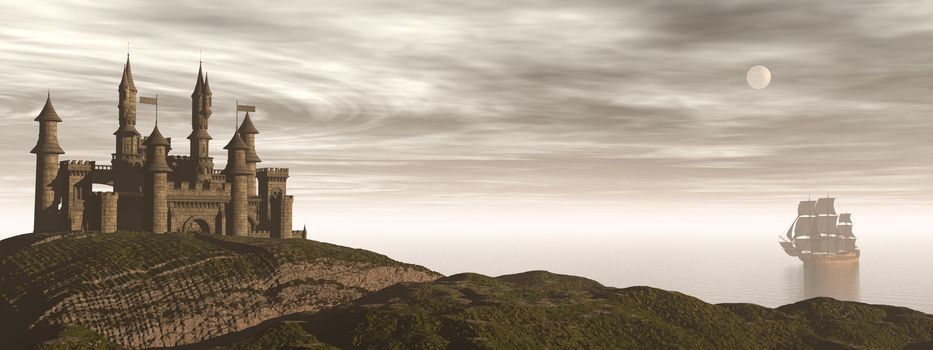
x: 820, y: 235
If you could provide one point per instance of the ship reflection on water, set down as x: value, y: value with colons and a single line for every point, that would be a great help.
x: 835, y: 280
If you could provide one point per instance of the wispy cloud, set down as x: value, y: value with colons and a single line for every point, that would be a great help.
x: 386, y: 102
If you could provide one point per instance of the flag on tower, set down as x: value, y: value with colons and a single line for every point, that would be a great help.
x: 149, y: 100
x: 245, y: 108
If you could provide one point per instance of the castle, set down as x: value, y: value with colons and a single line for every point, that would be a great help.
x: 157, y: 192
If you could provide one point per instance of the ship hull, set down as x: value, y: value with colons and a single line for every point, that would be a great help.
x: 846, y: 258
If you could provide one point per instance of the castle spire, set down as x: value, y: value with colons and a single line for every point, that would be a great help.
x: 247, y: 126
x: 157, y: 146
x: 199, y: 137
x: 207, y: 85
x: 47, y: 214
x: 127, y: 151
x: 127, y: 80
x: 48, y: 130
x: 199, y: 85
x: 248, y: 131
x: 48, y: 113
x: 236, y: 143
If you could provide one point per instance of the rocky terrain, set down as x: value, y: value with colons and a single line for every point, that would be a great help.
x: 142, y: 290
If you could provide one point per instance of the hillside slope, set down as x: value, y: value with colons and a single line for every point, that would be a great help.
x: 146, y: 290
x: 541, y: 310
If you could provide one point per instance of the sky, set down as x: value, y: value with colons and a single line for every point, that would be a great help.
x: 420, y: 116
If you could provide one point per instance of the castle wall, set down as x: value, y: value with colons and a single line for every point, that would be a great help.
x: 197, y: 215
x: 108, y: 212
x: 100, y: 212
x: 127, y: 177
x: 130, y: 209
x: 272, y: 183
x: 77, y: 189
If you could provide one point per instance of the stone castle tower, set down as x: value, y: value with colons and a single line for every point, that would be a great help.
x: 157, y: 192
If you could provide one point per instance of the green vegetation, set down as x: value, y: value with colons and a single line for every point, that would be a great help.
x: 285, y: 335
x: 78, y: 338
x: 135, y: 289
x: 541, y: 310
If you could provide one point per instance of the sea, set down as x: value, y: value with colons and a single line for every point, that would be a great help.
x: 896, y: 267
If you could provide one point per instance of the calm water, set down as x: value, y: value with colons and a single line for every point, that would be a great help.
x: 893, y: 269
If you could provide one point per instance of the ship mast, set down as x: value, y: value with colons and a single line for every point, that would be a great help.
x: 826, y: 225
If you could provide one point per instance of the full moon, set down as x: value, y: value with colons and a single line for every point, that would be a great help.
x: 758, y: 77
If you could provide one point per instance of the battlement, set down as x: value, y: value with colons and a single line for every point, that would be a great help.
x: 178, y: 158
x: 77, y: 166
x: 197, y: 187
x: 285, y: 170
x: 113, y: 156
x: 274, y: 174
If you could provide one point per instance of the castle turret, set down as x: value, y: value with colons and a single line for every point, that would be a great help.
x: 157, y: 170
x: 127, y: 137
x: 249, y: 132
x: 238, y: 174
x: 199, y: 138
x: 47, y: 149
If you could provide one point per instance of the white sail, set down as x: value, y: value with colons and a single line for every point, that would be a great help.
x: 806, y: 208
x: 826, y: 224
x: 826, y: 206
x: 806, y: 226
x: 845, y: 218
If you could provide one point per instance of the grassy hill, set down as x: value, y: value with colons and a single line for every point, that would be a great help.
x: 136, y: 290
x: 140, y: 289
x: 541, y: 310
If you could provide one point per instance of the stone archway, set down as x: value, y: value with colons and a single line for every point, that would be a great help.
x: 196, y: 225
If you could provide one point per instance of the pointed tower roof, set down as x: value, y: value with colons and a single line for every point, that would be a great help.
x: 198, y: 134
x: 247, y: 126
x: 252, y: 157
x: 48, y: 113
x: 127, y: 80
x: 199, y: 86
x: 156, y: 162
x: 156, y: 138
x: 236, y: 143
x: 207, y: 85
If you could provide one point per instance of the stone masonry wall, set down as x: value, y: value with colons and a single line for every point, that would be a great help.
x: 108, y: 212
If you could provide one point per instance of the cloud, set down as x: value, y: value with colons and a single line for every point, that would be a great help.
x: 389, y: 103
